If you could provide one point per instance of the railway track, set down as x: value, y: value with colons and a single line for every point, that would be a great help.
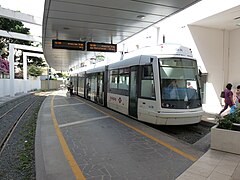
x: 13, y: 116
x: 17, y: 133
x: 191, y: 134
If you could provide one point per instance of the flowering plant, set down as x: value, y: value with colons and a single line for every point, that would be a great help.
x: 4, y: 66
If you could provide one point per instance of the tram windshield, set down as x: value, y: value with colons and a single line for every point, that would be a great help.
x: 179, y: 83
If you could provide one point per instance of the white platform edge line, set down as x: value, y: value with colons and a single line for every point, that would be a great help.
x: 83, y: 121
x: 68, y: 105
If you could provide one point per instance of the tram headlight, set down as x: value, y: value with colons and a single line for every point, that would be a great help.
x: 163, y: 105
x: 167, y: 105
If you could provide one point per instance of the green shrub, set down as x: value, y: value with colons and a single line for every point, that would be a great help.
x: 226, y: 122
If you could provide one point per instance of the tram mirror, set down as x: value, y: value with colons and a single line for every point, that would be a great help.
x: 199, y: 72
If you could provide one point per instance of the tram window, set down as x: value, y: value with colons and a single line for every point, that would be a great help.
x: 147, y: 72
x: 147, y: 82
x: 123, y: 78
x: 114, y: 79
x: 178, y: 62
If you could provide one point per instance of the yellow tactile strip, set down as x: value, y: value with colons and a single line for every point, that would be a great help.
x: 74, y: 166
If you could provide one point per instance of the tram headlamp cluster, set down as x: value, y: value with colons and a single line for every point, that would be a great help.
x: 167, y: 105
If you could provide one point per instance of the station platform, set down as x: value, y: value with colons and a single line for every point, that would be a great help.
x: 77, y: 139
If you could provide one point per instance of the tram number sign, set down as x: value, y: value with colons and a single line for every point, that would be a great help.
x: 71, y: 45
x: 101, y: 47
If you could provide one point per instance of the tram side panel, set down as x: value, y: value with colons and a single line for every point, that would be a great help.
x: 118, y: 90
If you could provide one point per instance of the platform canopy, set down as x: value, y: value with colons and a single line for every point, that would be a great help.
x: 100, y: 21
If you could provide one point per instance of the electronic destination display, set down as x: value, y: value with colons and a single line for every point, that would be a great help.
x: 71, y: 45
x: 101, y: 47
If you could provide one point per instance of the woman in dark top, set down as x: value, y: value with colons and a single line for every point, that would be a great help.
x: 228, y: 98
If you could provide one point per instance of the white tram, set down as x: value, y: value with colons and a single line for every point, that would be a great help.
x: 161, y: 88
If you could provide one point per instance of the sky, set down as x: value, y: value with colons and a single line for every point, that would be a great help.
x: 32, y: 7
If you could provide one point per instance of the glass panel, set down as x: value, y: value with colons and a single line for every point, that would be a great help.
x: 91, y: 86
x: 147, y: 82
x: 178, y: 62
x: 81, y: 84
x: 113, y: 78
x: 179, y: 84
x: 147, y: 72
x: 123, y: 79
x: 177, y: 73
x: 100, y: 88
x: 148, y: 89
x: 74, y: 81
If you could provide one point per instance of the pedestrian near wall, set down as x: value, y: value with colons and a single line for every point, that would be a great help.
x: 228, y: 98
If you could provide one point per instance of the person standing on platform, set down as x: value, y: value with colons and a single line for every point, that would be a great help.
x: 71, y: 88
x: 228, y: 99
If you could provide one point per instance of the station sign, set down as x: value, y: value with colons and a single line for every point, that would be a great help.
x: 101, y: 47
x: 71, y: 45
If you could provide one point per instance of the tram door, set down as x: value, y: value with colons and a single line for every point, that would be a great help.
x: 133, y: 92
x: 88, y: 88
x: 99, y: 88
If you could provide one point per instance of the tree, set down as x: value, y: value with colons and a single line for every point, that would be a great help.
x: 18, y: 27
x: 35, y: 65
x: 36, y: 61
x: 34, y: 71
x: 13, y: 26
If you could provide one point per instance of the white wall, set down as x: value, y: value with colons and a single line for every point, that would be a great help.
x: 234, y: 57
x: 33, y: 84
x: 20, y: 86
x: 4, y: 87
x: 51, y: 84
x: 210, y: 46
x: 220, y: 54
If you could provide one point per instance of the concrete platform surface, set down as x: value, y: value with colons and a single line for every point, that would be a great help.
x: 79, y: 139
